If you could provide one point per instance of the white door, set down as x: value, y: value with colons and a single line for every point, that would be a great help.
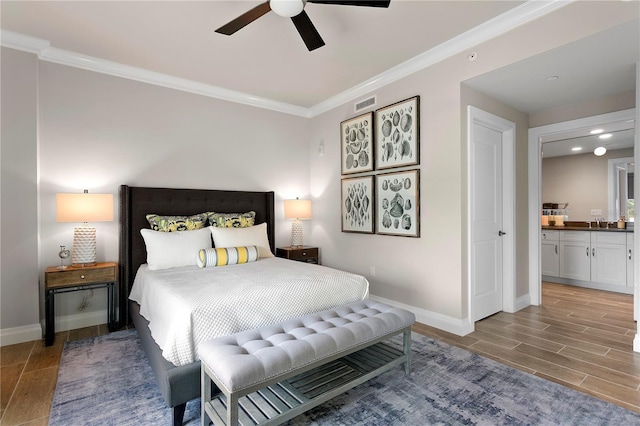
x: 486, y: 220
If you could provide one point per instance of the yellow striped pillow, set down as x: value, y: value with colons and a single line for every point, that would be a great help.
x: 222, y: 256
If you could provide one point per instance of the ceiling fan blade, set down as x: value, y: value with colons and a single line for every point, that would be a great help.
x: 244, y: 19
x: 368, y: 3
x: 307, y: 31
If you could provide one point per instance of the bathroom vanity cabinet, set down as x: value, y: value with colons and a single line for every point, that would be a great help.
x: 596, y: 259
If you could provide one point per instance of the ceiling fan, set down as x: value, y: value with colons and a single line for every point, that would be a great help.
x: 294, y: 9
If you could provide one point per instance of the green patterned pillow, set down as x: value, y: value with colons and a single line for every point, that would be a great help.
x: 232, y: 220
x: 177, y: 223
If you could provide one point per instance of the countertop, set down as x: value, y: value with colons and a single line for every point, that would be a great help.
x: 586, y: 228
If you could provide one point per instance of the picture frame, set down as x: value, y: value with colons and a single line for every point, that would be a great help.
x: 398, y: 203
x: 397, y: 134
x: 356, y: 144
x: 357, y: 205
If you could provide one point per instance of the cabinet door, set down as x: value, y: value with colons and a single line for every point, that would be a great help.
x: 609, y: 264
x: 550, y: 254
x: 575, y: 259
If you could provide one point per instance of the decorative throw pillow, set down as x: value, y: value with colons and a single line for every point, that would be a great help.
x: 177, y: 223
x: 236, y: 237
x: 232, y: 220
x: 174, y: 249
x: 226, y: 256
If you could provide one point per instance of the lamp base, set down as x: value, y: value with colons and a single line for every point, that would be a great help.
x: 84, y: 246
x: 296, y: 233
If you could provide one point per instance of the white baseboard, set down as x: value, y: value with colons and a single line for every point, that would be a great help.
x: 522, y: 302
x: 636, y: 343
x: 25, y: 333
x: 459, y: 327
x: 28, y: 333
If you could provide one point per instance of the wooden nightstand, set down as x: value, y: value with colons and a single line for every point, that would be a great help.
x: 301, y: 254
x: 78, y: 278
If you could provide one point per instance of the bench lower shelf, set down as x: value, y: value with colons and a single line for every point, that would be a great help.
x: 284, y: 400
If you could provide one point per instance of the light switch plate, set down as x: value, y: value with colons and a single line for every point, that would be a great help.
x: 596, y: 212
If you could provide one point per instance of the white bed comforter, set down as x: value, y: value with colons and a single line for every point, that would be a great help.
x: 189, y: 305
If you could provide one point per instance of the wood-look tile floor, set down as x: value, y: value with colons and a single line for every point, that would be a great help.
x: 578, y: 337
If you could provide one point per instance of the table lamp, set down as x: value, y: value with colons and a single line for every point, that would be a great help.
x: 84, y: 208
x: 297, y: 210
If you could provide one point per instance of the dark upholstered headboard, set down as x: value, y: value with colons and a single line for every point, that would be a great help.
x: 137, y: 202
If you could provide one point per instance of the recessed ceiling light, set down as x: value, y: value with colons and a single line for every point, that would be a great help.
x: 600, y: 151
x: 576, y: 148
x: 596, y: 131
x: 605, y: 136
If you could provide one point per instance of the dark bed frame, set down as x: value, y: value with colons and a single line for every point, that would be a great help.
x: 178, y: 385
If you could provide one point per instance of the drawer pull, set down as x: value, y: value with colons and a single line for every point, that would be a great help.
x: 304, y: 253
x: 556, y: 249
x: 629, y: 254
x: 593, y: 252
x: 82, y: 277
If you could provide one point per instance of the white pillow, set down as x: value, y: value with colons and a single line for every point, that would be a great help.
x: 235, y: 237
x: 173, y: 249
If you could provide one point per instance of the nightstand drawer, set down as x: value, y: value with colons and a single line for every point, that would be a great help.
x: 67, y: 277
x: 303, y: 254
x: 306, y: 254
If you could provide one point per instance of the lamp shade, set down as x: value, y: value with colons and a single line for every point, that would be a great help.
x: 84, y: 207
x: 297, y: 209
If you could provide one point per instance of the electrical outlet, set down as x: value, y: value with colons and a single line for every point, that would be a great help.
x: 372, y: 271
x: 596, y: 212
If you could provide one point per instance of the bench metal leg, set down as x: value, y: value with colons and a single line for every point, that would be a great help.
x: 406, y: 343
x: 205, y: 395
x: 232, y: 410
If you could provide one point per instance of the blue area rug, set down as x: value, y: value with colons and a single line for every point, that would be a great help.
x: 107, y: 380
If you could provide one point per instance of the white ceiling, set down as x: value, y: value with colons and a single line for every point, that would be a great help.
x: 268, y: 60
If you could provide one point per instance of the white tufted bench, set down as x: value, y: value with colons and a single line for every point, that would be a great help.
x: 273, y: 373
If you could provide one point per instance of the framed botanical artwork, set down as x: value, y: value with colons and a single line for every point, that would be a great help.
x: 357, y: 204
x: 398, y: 203
x: 356, y: 143
x: 398, y: 134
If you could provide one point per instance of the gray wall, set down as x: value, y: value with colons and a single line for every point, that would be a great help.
x: 19, y: 189
x: 582, y: 181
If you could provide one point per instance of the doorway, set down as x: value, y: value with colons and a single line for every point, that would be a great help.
x: 536, y: 138
x: 491, y: 237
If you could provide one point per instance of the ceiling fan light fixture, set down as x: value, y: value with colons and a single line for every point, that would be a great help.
x: 600, y: 151
x: 287, y: 8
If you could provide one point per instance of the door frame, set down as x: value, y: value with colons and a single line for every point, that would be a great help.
x: 508, y: 131
x: 536, y: 135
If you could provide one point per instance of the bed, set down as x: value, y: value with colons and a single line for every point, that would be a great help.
x: 178, y: 382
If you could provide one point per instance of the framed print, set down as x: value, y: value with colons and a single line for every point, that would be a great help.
x: 398, y: 203
x: 356, y: 143
x: 398, y: 134
x: 357, y: 204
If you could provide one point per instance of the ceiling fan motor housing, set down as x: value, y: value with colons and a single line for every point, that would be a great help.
x: 287, y: 8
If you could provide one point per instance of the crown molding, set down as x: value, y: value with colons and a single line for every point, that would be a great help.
x: 492, y: 28
x: 44, y: 51
x: 501, y: 24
